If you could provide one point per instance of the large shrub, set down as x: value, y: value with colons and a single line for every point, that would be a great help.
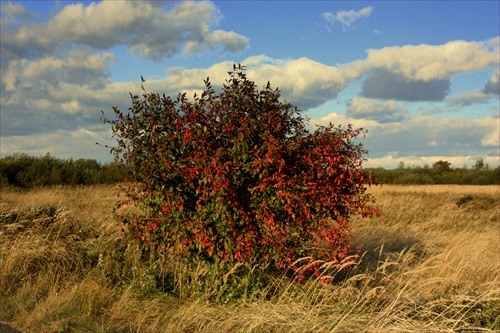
x: 236, y: 176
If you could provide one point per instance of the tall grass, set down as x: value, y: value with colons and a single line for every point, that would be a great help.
x: 432, y: 266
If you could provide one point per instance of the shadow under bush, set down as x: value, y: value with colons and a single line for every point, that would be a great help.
x: 381, y: 243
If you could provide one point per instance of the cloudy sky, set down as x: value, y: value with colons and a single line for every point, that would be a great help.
x: 422, y: 77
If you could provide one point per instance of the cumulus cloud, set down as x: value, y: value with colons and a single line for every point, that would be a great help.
x: 303, y: 82
x: 493, y: 85
x: 34, y: 109
x: 13, y: 14
x: 420, y: 72
x: 431, y: 62
x: 416, y: 137
x: 469, y: 98
x: 491, y: 90
x: 78, y: 143
x: 492, y: 139
x: 223, y: 40
x: 408, y: 73
x: 55, y: 74
x: 373, y: 109
x: 144, y: 26
x: 57, y: 93
x: 24, y: 81
x: 381, y: 83
x: 494, y: 44
x: 54, y: 91
x: 79, y: 66
x: 77, y: 85
x: 347, y: 17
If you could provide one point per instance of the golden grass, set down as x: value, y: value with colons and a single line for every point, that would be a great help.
x: 432, y: 266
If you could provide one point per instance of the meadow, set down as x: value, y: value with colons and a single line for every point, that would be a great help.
x: 432, y: 265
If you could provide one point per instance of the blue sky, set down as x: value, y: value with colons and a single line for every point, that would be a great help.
x: 422, y: 76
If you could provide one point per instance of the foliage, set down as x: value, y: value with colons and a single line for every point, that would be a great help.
x: 236, y: 177
x: 21, y: 170
x: 479, y: 164
x: 441, y: 166
x: 440, y: 173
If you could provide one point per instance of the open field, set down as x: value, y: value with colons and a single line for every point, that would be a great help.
x: 432, y: 266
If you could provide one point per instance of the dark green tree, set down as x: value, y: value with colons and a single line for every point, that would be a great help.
x: 441, y: 166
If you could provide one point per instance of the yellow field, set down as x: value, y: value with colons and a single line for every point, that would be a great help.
x: 432, y: 266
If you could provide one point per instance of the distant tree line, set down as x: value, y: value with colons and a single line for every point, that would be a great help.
x: 440, y: 172
x: 24, y: 171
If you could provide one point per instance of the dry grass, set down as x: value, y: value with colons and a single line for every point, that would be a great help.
x: 432, y: 266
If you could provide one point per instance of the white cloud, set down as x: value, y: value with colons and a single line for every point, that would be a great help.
x: 421, y: 139
x: 57, y: 93
x: 143, y: 26
x: 78, y: 143
x: 228, y: 42
x: 79, y: 66
x: 431, y: 62
x: 347, y: 17
x: 469, y: 97
x: 13, y: 13
x: 381, y: 83
x: 259, y: 60
x: 28, y: 85
x: 492, y: 138
x: 493, y: 85
x: 9, y: 77
x: 303, y: 82
x: 80, y: 79
x: 72, y: 107
x: 420, y: 72
x: 381, y: 111
x: 494, y: 44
